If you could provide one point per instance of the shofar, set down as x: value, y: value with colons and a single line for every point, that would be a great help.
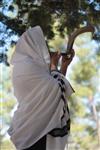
x: 76, y: 33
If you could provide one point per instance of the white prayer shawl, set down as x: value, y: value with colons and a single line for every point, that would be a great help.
x: 40, y: 107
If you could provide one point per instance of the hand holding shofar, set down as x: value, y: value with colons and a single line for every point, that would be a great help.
x: 67, y: 57
x: 69, y: 54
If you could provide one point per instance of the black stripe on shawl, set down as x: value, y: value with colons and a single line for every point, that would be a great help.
x: 60, y: 132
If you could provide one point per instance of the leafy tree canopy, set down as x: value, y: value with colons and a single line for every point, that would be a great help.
x: 19, y: 15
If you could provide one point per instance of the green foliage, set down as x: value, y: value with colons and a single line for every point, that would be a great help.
x: 87, y: 69
x: 7, y: 145
x: 84, y: 75
x: 19, y: 15
x: 7, y: 100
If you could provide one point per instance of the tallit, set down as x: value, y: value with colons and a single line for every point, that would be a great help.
x: 38, y: 93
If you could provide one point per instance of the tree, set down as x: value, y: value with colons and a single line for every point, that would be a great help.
x: 18, y: 15
x: 85, y: 75
x: 7, y: 101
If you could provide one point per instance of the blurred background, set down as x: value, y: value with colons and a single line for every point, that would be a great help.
x: 58, y: 19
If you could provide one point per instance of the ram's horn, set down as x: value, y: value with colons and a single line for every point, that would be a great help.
x: 72, y: 37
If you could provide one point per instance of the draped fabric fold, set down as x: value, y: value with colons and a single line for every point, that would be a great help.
x: 41, y: 95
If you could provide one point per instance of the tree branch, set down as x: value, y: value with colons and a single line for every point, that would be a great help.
x: 13, y: 24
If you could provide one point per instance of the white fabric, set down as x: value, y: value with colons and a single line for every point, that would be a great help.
x: 38, y: 93
x: 56, y: 143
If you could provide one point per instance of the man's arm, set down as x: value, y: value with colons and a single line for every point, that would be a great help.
x: 64, y: 63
